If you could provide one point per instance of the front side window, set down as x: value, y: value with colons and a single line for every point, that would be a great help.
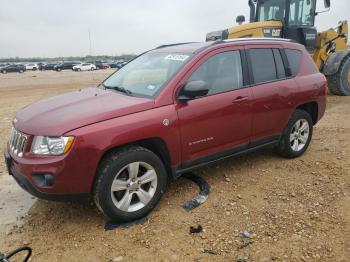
x: 271, y: 10
x: 147, y: 74
x: 221, y: 72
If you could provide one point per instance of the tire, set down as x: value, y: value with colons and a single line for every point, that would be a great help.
x: 117, y: 165
x: 299, y: 121
x: 339, y: 83
x: 34, y: 69
x: 58, y: 69
x: 21, y: 71
x: 4, y: 71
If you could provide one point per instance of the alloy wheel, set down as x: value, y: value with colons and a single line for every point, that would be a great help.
x: 300, y: 135
x: 134, y: 186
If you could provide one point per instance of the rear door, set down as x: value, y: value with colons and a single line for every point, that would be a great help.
x: 273, y: 92
x: 220, y: 122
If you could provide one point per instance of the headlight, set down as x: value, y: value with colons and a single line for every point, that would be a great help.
x: 43, y: 145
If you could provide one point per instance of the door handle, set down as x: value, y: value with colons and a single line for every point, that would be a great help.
x: 240, y: 99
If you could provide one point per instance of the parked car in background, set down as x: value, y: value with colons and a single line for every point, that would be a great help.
x: 48, y: 67
x: 41, y: 65
x: 195, y: 104
x: 84, y: 67
x: 101, y: 65
x: 65, y: 66
x: 3, y: 65
x: 113, y: 64
x: 13, y: 68
x: 121, y: 64
x: 32, y: 67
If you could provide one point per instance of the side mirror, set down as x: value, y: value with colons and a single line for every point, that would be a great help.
x: 327, y: 3
x: 192, y: 90
x: 240, y: 19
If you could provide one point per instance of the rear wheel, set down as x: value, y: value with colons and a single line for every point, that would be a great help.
x: 129, y: 184
x: 4, y: 71
x: 297, y: 135
x: 339, y: 83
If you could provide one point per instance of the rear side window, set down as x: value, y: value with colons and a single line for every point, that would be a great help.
x: 222, y: 72
x: 294, y: 60
x: 263, y: 65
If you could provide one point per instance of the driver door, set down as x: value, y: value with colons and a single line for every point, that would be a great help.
x: 218, y: 124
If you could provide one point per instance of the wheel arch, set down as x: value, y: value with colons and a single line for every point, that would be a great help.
x: 155, y: 144
x: 312, y: 109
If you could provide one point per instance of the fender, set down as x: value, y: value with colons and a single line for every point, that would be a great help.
x: 333, y: 63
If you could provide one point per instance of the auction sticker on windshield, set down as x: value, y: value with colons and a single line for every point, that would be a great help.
x: 177, y: 57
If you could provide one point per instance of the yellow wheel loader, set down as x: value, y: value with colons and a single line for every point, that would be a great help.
x: 295, y: 19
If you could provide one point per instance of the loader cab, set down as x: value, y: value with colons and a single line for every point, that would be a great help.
x: 297, y: 16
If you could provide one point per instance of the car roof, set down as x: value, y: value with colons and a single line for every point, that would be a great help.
x: 194, y: 47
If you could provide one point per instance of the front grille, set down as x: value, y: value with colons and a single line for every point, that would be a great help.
x: 18, y: 142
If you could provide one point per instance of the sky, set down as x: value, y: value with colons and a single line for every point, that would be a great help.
x: 51, y: 28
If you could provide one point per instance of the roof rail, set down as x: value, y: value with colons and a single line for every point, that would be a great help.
x: 170, y: 45
x: 254, y: 39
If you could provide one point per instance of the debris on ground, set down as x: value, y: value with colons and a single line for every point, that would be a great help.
x: 196, y: 230
x: 245, y: 244
x: 203, y: 193
x: 242, y: 259
x: 111, y: 225
x: 245, y: 234
x: 207, y: 251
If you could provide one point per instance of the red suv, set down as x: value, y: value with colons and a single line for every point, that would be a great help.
x: 169, y: 111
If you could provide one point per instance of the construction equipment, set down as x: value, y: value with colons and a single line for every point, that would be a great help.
x: 295, y: 19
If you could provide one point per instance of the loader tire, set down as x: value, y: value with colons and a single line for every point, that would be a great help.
x: 339, y: 83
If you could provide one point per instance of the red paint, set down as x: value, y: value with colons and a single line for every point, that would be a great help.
x: 101, y: 120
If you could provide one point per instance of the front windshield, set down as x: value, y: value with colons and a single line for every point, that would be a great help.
x: 147, y: 74
x: 301, y: 12
x: 270, y: 10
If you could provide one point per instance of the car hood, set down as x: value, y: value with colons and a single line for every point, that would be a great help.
x: 58, y: 115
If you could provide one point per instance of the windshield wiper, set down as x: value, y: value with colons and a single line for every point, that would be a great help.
x: 119, y: 89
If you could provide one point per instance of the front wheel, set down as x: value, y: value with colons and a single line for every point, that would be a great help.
x: 297, y: 135
x: 129, y: 184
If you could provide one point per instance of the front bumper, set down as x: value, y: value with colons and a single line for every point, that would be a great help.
x: 27, y: 183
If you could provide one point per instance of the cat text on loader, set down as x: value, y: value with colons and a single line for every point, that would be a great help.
x: 295, y: 19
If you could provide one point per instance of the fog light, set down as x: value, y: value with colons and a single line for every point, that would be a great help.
x: 43, y: 180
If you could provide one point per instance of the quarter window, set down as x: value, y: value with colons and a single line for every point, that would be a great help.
x: 222, y: 72
x: 294, y: 59
x: 281, y: 72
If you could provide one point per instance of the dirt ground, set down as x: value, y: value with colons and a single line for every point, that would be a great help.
x: 294, y: 210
